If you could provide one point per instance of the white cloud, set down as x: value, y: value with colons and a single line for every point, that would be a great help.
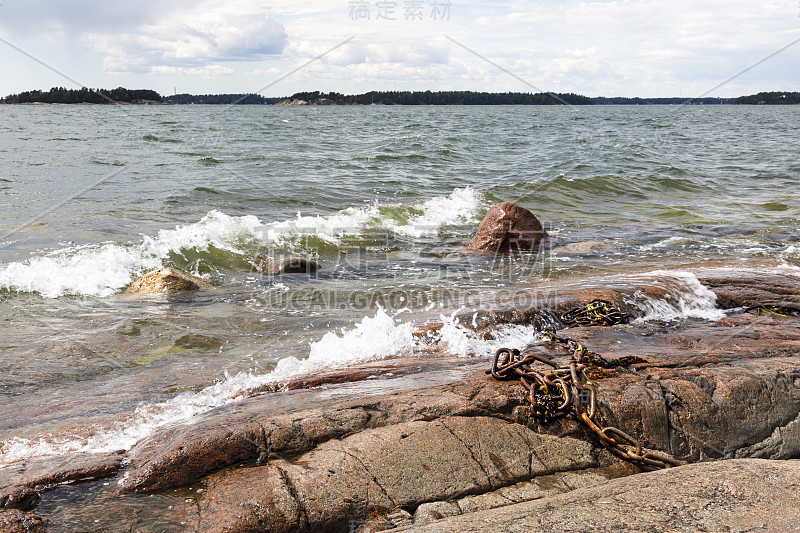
x: 211, y: 34
x: 180, y: 34
x: 264, y: 71
x: 595, y: 47
x: 207, y: 72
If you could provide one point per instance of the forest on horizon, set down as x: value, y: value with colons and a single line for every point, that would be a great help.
x: 121, y: 95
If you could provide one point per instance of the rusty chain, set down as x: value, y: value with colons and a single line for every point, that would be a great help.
x: 596, y: 313
x: 782, y: 309
x: 568, y: 389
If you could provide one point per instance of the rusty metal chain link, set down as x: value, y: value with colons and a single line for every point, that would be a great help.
x: 782, y: 309
x: 568, y: 389
x: 596, y: 313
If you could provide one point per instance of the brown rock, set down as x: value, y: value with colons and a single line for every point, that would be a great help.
x: 342, y: 482
x: 705, y: 391
x: 734, y: 495
x: 584, y: 246
x: 452, y: 438
x: 273, y: 266
x: 508, y: 226
x: 16, y: 521
x: 252, y: 431
x: 742, y: 288
x: 168, y: 281
x: 19, y: 497
x: 21, y: 482
x: 539, y: 487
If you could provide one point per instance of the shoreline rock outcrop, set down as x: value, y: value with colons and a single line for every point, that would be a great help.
x: 16, y: 521
x: 508, y: 227
x: 731, y: 495
x: 435, y: 443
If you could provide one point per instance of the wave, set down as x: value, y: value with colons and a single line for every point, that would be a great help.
x: 114, y: 266
x: 374, y: 338
x: 424, y: 218
x: 687, y: 298
x: 612, y: 184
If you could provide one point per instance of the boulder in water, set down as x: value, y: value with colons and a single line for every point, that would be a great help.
x: 272, y: 266
x: 508, y: 226
x: 169, y: 281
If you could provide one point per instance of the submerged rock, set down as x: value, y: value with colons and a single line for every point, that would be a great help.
x: 273, y: 266
x: 508, y: 226
x: 21, y: 482
x: 169, y: 281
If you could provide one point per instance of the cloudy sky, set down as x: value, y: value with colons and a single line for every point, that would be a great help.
x: 610, y: 48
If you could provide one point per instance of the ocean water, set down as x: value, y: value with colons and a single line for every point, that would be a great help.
x: 382, y: 197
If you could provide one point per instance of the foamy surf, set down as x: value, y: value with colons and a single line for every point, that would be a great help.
x: 688, y: 298
x: 375, y: 338
x: 104, y: 269
x: 459, y: 340
x: 419, y: 219
x: 113, y: 266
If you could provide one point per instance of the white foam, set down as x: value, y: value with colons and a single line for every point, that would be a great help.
x: 332, y: 228
x: 688, y: 299
x: 374, y: 338
x: 103, y: 269
x: 461, y: 207
x: 461, y: 341
x: 113, y: 266
x: 65, y: 271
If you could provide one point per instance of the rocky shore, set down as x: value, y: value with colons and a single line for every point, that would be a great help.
x: 432, y: 443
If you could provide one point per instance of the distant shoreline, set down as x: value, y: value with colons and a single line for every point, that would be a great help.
x: 122, y: 96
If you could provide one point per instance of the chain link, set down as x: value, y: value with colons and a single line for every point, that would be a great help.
x: 567, y: 389
x: 783, y: 309
x: 596, y: 313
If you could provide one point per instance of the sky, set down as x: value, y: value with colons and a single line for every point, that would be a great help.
x: 648, y: 48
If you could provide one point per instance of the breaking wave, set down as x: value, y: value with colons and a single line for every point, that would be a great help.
x: 374, y: 338
x: 113, y: 266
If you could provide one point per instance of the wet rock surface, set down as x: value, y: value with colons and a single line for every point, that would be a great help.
x: 435, y: 441
x: 16, y: 521
x: 168, y: 281
x: 22, y: 483
x: 508, y: 226
x: 273, y: 266
x: 732, y: 495
x: 742, y: 289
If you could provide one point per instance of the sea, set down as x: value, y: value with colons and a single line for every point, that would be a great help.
x: 383, y: 198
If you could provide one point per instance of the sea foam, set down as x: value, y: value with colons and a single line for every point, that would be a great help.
x: 374, y: 338
x: 688, y: 299
x: 113, y: 266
